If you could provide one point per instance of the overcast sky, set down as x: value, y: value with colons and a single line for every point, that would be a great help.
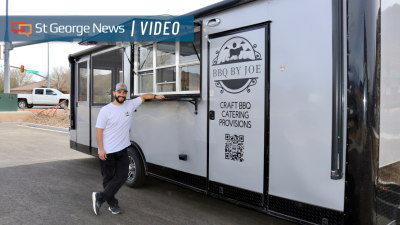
x: 387, y: 3
x: 34, y: 57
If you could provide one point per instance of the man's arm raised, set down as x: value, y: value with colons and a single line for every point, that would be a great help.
x: 151, y: 96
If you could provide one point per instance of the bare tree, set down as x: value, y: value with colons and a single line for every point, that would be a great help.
x: 18, y: 79
x: 60, y: 78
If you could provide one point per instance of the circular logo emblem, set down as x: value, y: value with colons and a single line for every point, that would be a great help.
x: 122, y: 85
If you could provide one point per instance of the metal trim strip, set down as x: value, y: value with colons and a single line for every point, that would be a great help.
x: 337, y: 91
x: 177, y: 183
x: 193, y: 180
x: 267, y: 114
x: 72, y: 93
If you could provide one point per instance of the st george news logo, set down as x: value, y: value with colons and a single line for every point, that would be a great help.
x: 21, y: 28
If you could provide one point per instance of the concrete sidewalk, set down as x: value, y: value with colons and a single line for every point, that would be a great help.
x: 14, y: 116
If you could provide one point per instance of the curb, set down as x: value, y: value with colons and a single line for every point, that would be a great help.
x: 46, y: 127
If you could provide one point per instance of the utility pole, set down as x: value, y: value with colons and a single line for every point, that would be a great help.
x: 7, y: 48
x: 48, y: 70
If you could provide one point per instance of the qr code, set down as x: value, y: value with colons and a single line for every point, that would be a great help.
x: 234, y: 147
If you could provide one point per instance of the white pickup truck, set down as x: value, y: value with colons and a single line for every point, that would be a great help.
x: 42, y: 96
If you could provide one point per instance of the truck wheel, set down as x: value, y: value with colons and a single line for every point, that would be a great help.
x: 64, y: 105
x: 22, y: 104
x: 136, y: 174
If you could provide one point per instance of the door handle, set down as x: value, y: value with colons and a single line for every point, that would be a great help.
x: 212, y: 115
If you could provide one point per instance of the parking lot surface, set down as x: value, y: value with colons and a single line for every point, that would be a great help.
x: 43, y: 181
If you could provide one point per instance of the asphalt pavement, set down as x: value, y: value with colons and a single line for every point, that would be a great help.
x: 43, y: 181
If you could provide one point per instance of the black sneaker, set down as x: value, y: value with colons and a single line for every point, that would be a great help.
x: 96, y: 203
x: 115, y: 209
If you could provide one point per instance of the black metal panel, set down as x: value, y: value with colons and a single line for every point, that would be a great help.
x: 236, y: 193
x: 267, y: 114
x: 305, y: 212
x: 179, y: 97
x: 337, y: 90
x: 363, y: 84
x: 72, y: 117
x: 83, y: 148
x: 94, y: 151
x: 388, y: 193
x: 178, y: 176
x: 201, y: 59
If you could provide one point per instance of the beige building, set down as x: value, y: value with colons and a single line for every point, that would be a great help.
x: 28, y: 88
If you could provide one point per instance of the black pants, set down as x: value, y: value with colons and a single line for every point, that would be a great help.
x: 115, y: 172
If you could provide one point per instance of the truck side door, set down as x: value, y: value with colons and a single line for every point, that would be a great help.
x: 51, y: 97
x: 237, y: 114
x: 38, y: 96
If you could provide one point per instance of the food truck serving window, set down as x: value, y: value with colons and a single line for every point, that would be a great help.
x: 169, y: 67
x: 146, y: 57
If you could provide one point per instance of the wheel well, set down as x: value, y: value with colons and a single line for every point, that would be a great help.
x: 23, y: 99
x: 63, y: 100
x: 137, y: 147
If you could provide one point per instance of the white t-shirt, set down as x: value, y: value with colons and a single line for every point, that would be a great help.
x: 116, y: 121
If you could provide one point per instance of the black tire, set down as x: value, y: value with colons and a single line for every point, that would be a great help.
x: 137, y: 173
x: 64, y: 105
x: 22, y: 104
x: 30, y: 105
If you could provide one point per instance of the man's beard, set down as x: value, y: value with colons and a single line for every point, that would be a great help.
x: 120, y: 102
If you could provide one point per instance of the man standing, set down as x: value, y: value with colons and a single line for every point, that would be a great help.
x: 112, y: 133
